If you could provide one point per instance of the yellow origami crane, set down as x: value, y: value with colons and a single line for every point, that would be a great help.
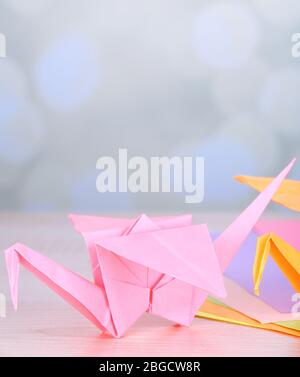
x: 288, y: 260
x: 285, y: 256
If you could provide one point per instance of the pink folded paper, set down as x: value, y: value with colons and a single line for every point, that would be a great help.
x: 164, y: 266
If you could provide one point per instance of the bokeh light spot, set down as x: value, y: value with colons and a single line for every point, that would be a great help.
x: 226, y: 35
x: 67, y: 73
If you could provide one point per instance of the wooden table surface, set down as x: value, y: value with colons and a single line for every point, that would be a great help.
x: 44, y: 325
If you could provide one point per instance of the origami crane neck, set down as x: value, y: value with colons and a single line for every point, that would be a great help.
x: 229, y: 242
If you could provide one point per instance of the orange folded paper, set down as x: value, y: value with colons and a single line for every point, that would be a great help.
x: 287, y: 195
x: 285, y: 256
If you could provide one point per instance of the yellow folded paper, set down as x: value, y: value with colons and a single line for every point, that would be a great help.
x: 290, y: 324
x: 218, y: 312
x: 287, y: 195
x: 285, y: 256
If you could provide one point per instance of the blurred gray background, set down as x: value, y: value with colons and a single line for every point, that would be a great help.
x: 83, y: 78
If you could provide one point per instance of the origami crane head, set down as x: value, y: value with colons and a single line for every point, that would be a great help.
x: 164, y: 266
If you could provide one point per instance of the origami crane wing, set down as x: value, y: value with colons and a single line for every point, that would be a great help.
x: 285, y: 256
x: 94, y: 228
x: 287, y: 195
x: 85, y: 224
x: 185, y: 253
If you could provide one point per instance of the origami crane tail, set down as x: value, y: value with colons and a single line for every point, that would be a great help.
x: 229, y: 242
x: 85, y: 296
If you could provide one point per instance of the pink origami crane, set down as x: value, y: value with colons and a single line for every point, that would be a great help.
x: 164, y: 266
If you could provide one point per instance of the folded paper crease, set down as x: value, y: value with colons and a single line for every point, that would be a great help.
x: 161, y: 265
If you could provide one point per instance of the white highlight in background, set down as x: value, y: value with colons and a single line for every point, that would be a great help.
x: 21, y: 124
x: 2, y: 46
x: 2, y: 305
x: 295, y: 39
x: 226, y: 35
x: 279, y: 101
x: 278, y: 12
x: 28, y: 7
x: 235, y: 92
x: 67, y: 73
x: 238, y: 147
x: 296, y: 306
